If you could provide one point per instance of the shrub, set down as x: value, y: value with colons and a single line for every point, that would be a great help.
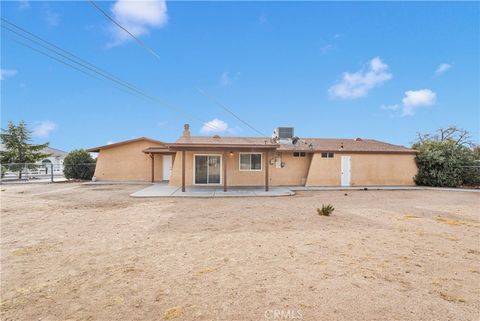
x: 326, y: 210
x: 78, y: 164
x: 443, y: 164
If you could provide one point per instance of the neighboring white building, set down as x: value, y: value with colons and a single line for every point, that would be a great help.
x: 56, y: 159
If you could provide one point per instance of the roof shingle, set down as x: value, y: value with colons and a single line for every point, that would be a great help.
x: 304, y: 144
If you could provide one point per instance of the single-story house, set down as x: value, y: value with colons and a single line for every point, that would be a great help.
x: 280, y: 160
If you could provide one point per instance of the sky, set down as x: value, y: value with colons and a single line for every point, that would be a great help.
x: 379, y: 70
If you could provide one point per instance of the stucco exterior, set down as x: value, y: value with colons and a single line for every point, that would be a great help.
x: 366, y: 170
x: 372, y: 163
x: 312, y: 170
x: 127, y: 162
x: 235, y: 177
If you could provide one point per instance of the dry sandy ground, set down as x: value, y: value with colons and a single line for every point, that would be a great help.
x: 73, y: 252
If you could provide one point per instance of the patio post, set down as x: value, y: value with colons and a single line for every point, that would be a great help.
x: 266, y: 171
x: 225, y: 161
x: 183, y: 171
x: 153, y: 170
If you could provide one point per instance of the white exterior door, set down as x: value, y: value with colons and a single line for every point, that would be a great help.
x: 167, y: 167
x: 345, y: 168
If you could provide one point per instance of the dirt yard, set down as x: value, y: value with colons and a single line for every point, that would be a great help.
x: 75, y: 252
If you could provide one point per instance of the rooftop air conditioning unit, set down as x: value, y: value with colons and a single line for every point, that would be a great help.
x: 283, y: 134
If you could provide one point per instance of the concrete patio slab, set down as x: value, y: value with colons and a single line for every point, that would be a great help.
x: 163, y: 190
x: 156, y: 190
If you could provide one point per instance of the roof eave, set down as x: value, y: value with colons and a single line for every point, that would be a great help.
x: 97, y: 149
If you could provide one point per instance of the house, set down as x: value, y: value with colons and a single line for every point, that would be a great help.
x: 283, y: 160
x: 53, y: 160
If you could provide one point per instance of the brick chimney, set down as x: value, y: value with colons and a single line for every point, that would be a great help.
x: 186, y: 130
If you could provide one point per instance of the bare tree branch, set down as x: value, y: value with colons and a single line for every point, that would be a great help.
x: 459, y: 136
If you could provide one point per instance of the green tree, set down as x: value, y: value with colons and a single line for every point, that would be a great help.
x: 476, y: 153
x: 19, y: 152
x: 79, y: 164
x: 447, y: 158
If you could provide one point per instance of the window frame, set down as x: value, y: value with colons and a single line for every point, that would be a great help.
x: 221, y: 170
x: 327, y: 155
x: 300, y: 154
x: 249, y: 170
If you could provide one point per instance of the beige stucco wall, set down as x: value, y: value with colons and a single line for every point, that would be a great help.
x: 324, y: 171
x: 127, y: 162
x: 383, y: 169
x: 294, y: 172
x: 366, y: 170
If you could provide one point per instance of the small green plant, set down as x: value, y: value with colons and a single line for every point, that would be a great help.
x: 326, y: 210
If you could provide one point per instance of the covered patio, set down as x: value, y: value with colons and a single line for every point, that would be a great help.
x: 223, y: 152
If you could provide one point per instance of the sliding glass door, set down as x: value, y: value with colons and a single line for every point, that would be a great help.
x: 207, y: 169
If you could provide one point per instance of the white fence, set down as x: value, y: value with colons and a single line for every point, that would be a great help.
x: 28, y: 172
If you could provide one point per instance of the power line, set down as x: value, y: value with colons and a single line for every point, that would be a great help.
x: 229, y: 111
x: 60, y: 49
x: 93, y: 3
x: 141, y: 43
x: 86, y: 65
x: 69, y: 65
x: 92, y: 68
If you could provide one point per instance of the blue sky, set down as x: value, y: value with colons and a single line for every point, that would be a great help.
x: 373, y: 70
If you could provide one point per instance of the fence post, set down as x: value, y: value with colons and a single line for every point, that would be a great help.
x: 51, y: 172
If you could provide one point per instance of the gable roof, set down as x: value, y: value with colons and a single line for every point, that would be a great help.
x: 304, y: 144
x: 97, y: 149
x: 345, y: 145
x: 54, y: 151
x: 220, y: 140
x: 46, y: 150
x: 223, y: 142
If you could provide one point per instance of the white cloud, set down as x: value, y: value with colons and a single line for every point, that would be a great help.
x: 417, y: 98
x: 23, y: 4
x: 110, y: 142
x: 51, y: 18
x: 390, y: 107
x: 226, y: 79
x: 442, y: 68
x: 358, y: 84
x: 138, y: 17
x: 6, y: 73
x: 44, y: 128
x: 215, y: 126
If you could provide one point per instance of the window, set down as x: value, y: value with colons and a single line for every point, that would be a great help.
x: 299, y: 154
x: 250, y: 162
x: 207, y: 169
x: 328, y: 155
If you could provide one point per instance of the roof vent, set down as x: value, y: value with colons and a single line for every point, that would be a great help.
x: 216, y: 136
x: 358, y: 139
